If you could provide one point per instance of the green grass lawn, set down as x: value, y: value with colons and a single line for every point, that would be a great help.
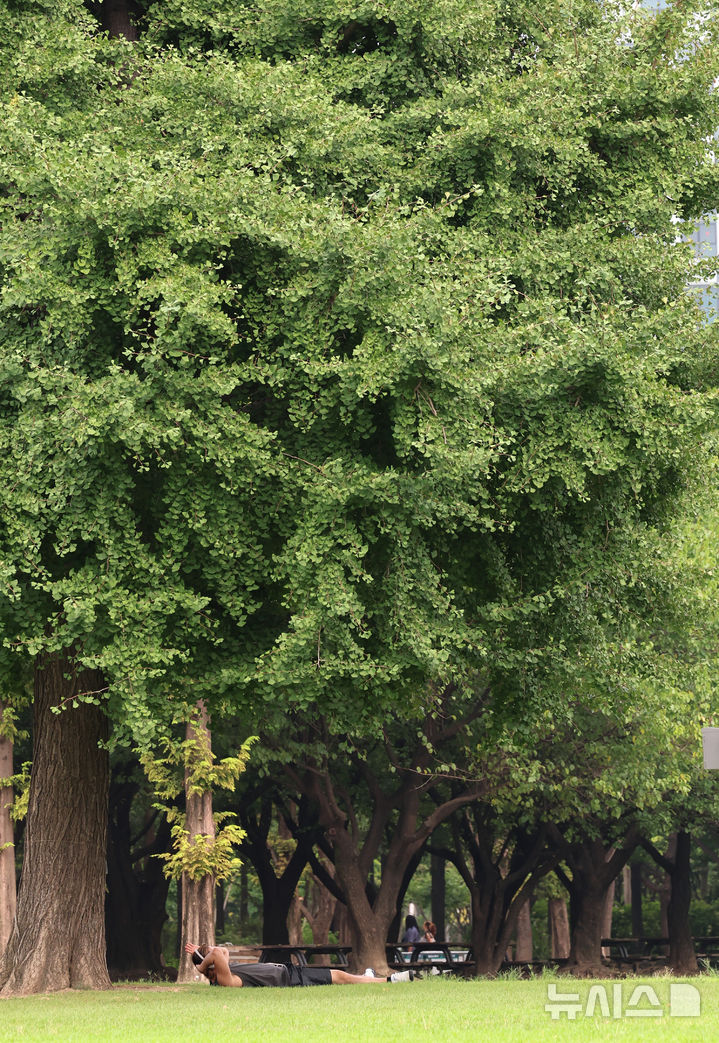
x: 436, y: 1009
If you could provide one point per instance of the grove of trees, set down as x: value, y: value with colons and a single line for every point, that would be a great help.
x: 351, y: 398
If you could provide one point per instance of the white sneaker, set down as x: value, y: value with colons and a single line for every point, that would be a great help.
x: 402, y: 976
x: 369, y: 973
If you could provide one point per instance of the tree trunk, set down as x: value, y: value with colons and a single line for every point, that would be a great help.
x: 585, y: 952
x: 294, y: 920
x: 593, y: 868
x: 7, y: 846
x: 637, y: 916
x: 220, y: 909
x: 500, y: 887
x: 136, y: 894
x: 682, y: 958
x: 559, y: 929
x: 354, y: 851
x: 58, y: 940
x: 278, y: 873
x: 524, y: 934
x: 368, y: 922
x: 319, y: 905
x: 627, y: 885
x: 178, y: 931
x: 608, y: 915
x: 494, y: 922
x: 665, y: 893
x: 341, y: 924
x: 244, y: 901
x: 438, y: 899
x: 198, y: 896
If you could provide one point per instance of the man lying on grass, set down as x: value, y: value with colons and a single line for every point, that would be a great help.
x: 213, y: 961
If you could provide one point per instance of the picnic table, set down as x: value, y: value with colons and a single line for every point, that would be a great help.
x: 636, y: 948
x: 421, y: 955
x: 304, y: 954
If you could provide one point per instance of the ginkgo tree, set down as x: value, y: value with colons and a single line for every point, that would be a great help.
x: 339, y: 345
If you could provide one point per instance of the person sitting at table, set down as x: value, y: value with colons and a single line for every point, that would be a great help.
x: 430, y: 931
x: 411, y: 931
x: 214, y: 962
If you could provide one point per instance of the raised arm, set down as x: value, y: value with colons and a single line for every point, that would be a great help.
x: 216, y: 966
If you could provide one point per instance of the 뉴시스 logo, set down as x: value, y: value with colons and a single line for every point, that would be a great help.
x: 624, y: 1000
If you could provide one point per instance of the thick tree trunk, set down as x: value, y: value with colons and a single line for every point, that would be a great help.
x: 608, y: 915
x: 627, y: 885
x: 500, y: 887
x: 275, y: 916
x: 438, y: 898
x: 294, y: 920
x: 58, y: 940
x: 198, y: 920
x: 585, y: 953
x: 524, y: 934
x: 593, y: 869
x: 198, y: 896
x: 637, y: 914
x: 7, y: 845
x: 494, y: 922
x: 354, y: 852
x: 368, y: 928
x: 665, y: 892
x: 682, y: 958
x: 559, y: 929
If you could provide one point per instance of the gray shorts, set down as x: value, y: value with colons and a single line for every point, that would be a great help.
x: 310, y: 975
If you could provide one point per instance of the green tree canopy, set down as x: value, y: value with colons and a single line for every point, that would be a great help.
x: 341, y: 348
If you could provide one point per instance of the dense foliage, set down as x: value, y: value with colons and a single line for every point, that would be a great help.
x: 343, y: 347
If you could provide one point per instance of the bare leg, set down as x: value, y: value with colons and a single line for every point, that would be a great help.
x: 345, y: 978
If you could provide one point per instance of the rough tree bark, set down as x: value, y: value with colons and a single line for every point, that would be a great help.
x: 353, y: 852
x: 7, y: 846
x: 58, y: 939
x: 608, y: 915
x: 500, y: 872
x: 593, y: 867
x: 558, y: 929
x: 677, y: 863
x: 523, y: 952
x: 397, y: 821
x: 198, y: 896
